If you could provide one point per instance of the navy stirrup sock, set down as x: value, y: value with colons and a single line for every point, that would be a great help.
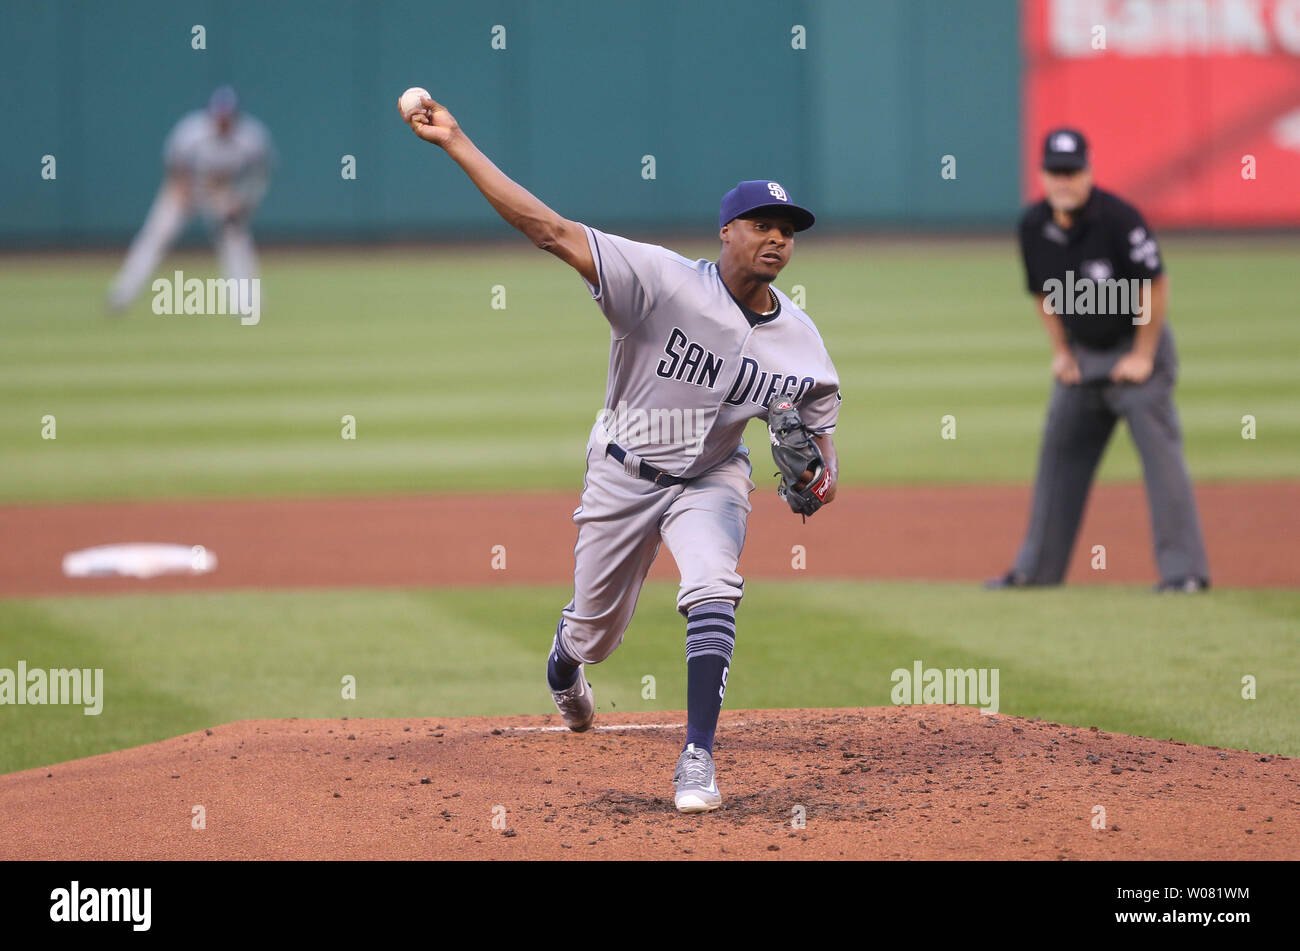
x: 561, y: 669
x: 710, y: 637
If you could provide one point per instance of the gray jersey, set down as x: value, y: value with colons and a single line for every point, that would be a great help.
x: 687, y: 371
x: 240, y: 160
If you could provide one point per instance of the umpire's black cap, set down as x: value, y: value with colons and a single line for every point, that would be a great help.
x: 1065, y: 150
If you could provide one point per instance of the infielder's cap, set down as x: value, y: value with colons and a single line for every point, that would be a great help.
x: 224, y: 102
x: 761, y: 195
x: 1065, y: 150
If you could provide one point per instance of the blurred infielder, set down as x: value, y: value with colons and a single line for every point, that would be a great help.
x: 218, y: 162
x: 697, y: 349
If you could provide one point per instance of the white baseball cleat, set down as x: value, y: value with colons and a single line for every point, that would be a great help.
x: 696, y: 782
x: 577, y: 704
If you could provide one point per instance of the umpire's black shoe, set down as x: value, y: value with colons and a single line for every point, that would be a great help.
x: 1010, y: 580
x: 1188, y: 585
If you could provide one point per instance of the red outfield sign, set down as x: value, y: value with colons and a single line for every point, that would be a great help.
x: 1191, y: 107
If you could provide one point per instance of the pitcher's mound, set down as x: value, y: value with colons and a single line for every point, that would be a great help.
x: 896, y: 782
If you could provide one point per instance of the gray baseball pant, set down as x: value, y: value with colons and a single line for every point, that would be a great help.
x: 163, y: 225
x: 1080, y: 420
x: 621, y: 521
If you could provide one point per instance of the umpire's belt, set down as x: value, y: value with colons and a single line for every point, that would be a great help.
x: 644, y: 470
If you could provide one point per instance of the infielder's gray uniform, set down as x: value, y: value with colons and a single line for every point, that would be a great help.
x: 687, y: 372
x: 225, y: 172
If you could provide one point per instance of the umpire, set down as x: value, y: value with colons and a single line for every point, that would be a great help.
x: 1101, y: 291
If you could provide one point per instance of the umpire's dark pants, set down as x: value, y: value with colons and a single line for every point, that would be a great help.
x: 1079, y: 424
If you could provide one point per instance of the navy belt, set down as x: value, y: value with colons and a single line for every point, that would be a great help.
x: 648, y: 472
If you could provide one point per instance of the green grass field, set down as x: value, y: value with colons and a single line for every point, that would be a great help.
x: 442, y: 385
x: 1124, y: 661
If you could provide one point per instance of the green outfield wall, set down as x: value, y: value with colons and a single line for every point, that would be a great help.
x: 855, y: 124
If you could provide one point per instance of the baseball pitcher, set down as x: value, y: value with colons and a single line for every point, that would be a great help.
x: 218, y: 165
x: 697, y: 349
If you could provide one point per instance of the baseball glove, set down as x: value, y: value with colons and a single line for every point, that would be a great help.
x: 795, y: 453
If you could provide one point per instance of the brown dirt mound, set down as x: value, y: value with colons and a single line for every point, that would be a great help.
x: 897, y: 782
x: 951, y: 532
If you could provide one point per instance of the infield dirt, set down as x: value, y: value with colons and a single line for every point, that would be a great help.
x: 936, y: 533
x: 927, y: 782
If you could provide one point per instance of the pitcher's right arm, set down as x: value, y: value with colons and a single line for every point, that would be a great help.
x: 520, y: 208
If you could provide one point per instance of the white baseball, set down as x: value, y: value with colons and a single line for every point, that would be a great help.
x: 409, y: 102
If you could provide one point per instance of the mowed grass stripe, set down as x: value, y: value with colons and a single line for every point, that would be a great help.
x: 1118, y: 658
x: 408, y: 343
